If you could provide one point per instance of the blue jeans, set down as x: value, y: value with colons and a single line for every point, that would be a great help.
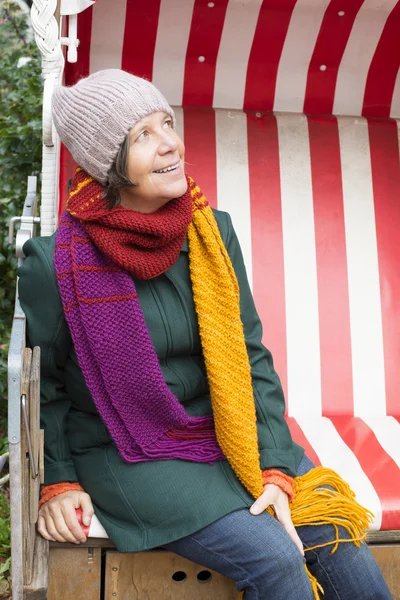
x: 258, y: 554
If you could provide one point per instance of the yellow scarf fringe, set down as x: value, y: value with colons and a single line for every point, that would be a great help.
x: 316, y: 505
x: 217, y: 301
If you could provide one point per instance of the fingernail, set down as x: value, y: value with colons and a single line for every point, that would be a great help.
x: 86, y: 520
x: 254, y: 509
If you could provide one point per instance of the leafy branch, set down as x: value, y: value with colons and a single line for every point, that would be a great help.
x: 20, y: 156
x: 8, y: 16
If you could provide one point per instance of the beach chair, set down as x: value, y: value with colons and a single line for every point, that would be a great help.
x: 288, y: 113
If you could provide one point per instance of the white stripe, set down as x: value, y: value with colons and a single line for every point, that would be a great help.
x: 178, y: 110
x: 171, y: 45
x: 335, y: 454
x: 395, y: 106
x: 74, y: 7
x: 107, y: 41
x: 387, y: 431
x: 96, y: 529
x: 233, y: 176
x: 234, y: 51
x: 302, y: 325
x: 294, y: 63
x: 363, y: 270
x: 359, y: 52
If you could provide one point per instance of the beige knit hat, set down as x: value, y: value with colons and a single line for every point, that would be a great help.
x: 93, y: 116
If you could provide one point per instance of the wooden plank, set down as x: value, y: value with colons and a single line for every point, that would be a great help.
x: 30, y: 390
x: 30, y: 549
x: 133, y: 576
x: 373, y: 538
x: 162, y: 575
x: 388, y: 559
x: 37, y: 589
x: 34, y: 424
x: 26, y: 555
x: 26, y: 370
x: 74, y: 573
x: 383, y: 537
x: 41, y: 456
x: 91, y: 542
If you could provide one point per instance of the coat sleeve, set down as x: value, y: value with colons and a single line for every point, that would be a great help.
x: 47, y: 328
x: 275, y: 441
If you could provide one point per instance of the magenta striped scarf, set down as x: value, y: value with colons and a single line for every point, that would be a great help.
x: 118, y: 360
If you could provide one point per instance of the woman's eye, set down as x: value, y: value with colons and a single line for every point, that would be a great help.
x: 170, y: 123
x: 143, y: 135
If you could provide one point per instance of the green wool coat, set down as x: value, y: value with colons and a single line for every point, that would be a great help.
x: 148, y: 504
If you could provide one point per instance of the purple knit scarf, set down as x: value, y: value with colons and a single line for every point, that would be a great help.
x: 118, y: 360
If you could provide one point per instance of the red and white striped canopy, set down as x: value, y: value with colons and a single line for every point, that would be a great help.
x: 315, y: 198
x: 315, y: 56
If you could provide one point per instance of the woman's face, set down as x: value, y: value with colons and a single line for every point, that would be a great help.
x: 154, y: 146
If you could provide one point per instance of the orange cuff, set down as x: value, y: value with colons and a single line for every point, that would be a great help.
x: 49, y: 491
x: 278, y: 478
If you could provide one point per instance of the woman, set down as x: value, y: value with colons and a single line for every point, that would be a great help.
x: 160, y: 404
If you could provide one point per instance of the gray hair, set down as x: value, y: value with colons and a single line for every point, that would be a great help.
x: 117, y: 176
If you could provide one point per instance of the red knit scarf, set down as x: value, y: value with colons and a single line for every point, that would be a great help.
x: 145, y: 244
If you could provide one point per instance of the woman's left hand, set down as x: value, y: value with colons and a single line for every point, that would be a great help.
x: 274, y: 496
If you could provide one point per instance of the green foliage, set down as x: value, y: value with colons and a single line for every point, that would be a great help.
x: 5, y: 544
x: 20, y: 156
x: 4, y: 536
x: 20, y: 150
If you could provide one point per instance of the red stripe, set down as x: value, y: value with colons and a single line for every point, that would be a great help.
x: 141, y: 23
x: 378, y: 466
x: 270, y: 35
x: 67, y: 170
x: 384, y: 148
x: 329, y: 48
x: 204, y: 40
x: 382, y: 73
x: 299, y: 437
x: 72, y: 73
x: 201, y: 153
x: 267, y: 236
x: 107, y: 299
x: 333, y: 292
x: 75, y: 71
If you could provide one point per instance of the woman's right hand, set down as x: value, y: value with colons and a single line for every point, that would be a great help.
x: 57, y: 520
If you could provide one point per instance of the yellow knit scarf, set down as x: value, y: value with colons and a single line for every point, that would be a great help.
x: 228, y: 370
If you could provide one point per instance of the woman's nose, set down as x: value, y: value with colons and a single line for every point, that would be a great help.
x: 167, y: 143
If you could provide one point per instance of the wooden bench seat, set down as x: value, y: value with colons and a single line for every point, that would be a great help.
x: 76, y: 573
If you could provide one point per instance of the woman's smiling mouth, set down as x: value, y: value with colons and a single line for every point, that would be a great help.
x: 169, y: 169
